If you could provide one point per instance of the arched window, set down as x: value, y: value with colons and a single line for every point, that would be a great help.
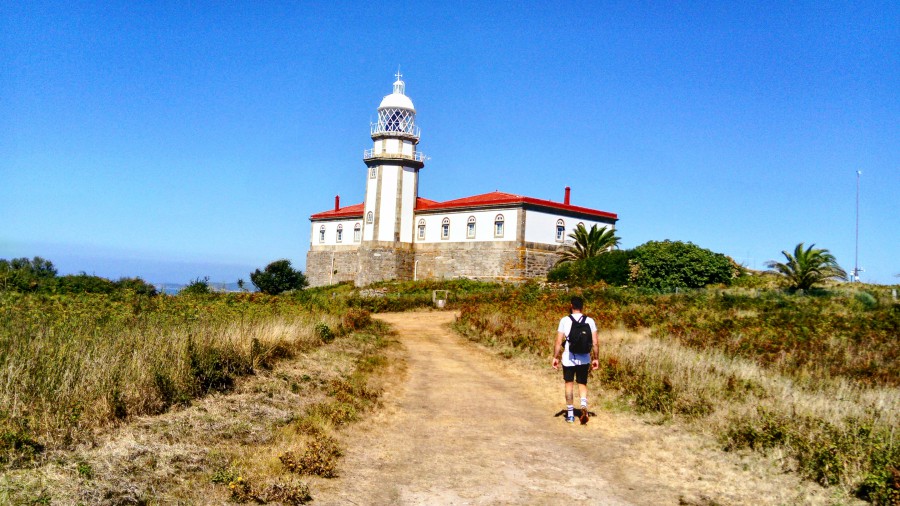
x: 445, y: 228
x: 421, y: 230
x: 370, y: 217
x: 498, y: 226
x: 322, y: 233
x: 470, y: 228
x: 560, y: 231
x: 357, y: 232
x: 339, y: 236
x: 580, y: 224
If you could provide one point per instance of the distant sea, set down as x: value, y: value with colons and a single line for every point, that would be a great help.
x: 174, y: 288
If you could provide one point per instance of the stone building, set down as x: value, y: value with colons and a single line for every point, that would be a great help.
x: 396, y: 234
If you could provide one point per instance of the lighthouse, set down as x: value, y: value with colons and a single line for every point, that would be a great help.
x: 392, y: 186
x: 397, y: 234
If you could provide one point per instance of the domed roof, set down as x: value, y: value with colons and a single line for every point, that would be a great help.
x: 398, y: 98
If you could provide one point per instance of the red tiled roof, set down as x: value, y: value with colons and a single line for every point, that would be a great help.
x: 494, y: 198
x: 344, y: 212
x: 502, y: 198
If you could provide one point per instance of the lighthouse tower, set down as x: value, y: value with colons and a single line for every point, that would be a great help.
x: 392, y: 185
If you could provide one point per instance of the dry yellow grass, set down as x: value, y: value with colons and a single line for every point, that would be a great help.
x: 217, y: 448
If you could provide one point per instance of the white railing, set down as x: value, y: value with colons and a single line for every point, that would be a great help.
x: 371, y: 153
x: 378, y: 128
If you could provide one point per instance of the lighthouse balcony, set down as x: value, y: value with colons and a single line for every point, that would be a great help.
x: 371, y: 154
x: 381, y: 130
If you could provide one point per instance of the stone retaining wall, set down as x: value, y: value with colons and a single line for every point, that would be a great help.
x: 319, y: 265
x: 378, y: 261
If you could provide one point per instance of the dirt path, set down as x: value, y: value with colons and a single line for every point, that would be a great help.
x: 467, y: 427
x: 462, y: 431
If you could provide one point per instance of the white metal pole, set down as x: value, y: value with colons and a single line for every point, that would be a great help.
x: 856, y: 254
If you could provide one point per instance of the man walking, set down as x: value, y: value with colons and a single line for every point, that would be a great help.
x: 576, y: 362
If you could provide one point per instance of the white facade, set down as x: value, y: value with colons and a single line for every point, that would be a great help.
x: 458, y: 226
x: 541, y: 227
x: 325, y: 233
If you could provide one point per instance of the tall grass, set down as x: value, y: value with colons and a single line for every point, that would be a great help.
x: 72, y: 364
x: 815, y: 378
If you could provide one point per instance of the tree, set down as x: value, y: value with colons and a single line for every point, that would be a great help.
x: 588, y: 243
x: 24, y: 275
x: 807, y: 268
x: 674, y: 264
x: 278, y: 277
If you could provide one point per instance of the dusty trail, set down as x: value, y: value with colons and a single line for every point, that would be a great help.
x: 466, y: 427
x: 462, y: 430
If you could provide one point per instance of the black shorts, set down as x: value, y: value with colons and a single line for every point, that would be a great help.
x: 577, y: 372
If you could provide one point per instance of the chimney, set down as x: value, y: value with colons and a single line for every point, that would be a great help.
x: 337, y: 202
x: 568, y: 195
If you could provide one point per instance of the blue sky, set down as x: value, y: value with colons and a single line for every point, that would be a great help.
x: 176, y: 140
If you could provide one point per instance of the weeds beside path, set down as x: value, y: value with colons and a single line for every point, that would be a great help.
x: 465, y: 426
x: 257, y: 443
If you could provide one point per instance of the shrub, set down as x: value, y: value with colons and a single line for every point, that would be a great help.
x: 278, y: 277
x: 324, y: 332
x: 355, y: 319
x: 866, y: 300
x: 24, y: 275
x: 319, y: 458
x: 196, y: 287
x: 610, y: 267
x: 667, y: 265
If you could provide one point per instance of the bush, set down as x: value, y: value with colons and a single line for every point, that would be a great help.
x: 667, y: 265
x: 196, y: 287
x: 84, y: 283
x: 610, y: 267
x: 24, y: 275
x: 278, y: 277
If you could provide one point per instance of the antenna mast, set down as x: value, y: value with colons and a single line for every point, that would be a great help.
x: 856, y: 256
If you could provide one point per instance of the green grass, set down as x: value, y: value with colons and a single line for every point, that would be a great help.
x: 814, y: 376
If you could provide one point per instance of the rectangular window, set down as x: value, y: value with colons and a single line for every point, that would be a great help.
x: 560, y: 233
x: 340, y: 235
x: 445, y: 231
x: 421, y: 232
x: 372, y: 172
x: 498, y: 229
x: 356, y: 234
x: 470, y: 230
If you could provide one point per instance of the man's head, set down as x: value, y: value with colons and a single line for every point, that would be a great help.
x: 577, y: 303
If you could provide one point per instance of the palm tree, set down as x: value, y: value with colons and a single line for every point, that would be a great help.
x: 589, y: 243
x: 806, y: 268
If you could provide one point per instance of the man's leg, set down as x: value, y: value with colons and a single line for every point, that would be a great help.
x: 570, y: 406
x: 582, y: 378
